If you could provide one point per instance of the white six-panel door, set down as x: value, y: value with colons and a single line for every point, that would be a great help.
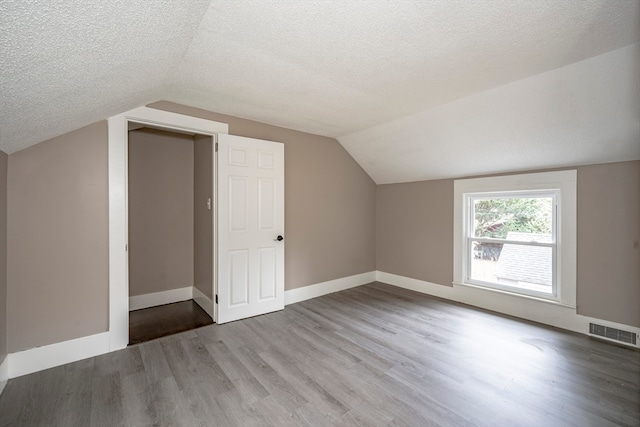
x: 250, y: 219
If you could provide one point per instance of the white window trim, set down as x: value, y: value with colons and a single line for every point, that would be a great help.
x: 565, y: 182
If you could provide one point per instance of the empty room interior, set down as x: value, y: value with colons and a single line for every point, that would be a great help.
x: 371, y: 213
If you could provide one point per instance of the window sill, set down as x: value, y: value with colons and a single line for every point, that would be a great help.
x: 515, y: 294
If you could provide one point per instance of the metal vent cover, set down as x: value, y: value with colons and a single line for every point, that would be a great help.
x: 612, y: 333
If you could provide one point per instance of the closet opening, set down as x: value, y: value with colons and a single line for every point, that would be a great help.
x: 170, y: 231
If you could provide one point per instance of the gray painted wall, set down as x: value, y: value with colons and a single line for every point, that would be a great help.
x: 329, y: 202
x: 609, y: 242
x: 160, y: 211
x: 58, y: 225
x: 57, y: 218
x: 415, y: 237
x: 414, y: 230
x: 3, y: 255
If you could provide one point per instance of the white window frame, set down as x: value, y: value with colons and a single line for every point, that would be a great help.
x: 562, y: 184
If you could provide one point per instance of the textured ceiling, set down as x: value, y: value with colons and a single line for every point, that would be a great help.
x: 584, y: 113
x: 335, y: 68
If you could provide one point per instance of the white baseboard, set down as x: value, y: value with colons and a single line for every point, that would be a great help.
x: 4, y: 373
x: 48, y: 356
x: 538, y: 311
x: 203, y: 301
x: 160, y: 298
x: 293, y: 296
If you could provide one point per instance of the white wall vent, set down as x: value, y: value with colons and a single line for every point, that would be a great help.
x: 612, y: 333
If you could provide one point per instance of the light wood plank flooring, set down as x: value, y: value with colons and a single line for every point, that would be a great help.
x: 369, y: 356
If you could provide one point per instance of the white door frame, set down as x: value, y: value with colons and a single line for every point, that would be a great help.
x: 118, y: 210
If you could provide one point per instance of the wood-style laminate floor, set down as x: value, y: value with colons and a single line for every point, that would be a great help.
x: 369, y: 356
x: 156, y: 322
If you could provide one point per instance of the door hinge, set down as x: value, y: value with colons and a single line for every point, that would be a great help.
x: 216, y: 298
x: 216, y: 147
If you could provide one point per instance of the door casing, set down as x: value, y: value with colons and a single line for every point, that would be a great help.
x: 118, y: 199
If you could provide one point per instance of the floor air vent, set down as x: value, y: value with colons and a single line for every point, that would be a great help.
x: 612, y: 333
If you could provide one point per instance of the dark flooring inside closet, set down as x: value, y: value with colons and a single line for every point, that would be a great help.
x: 156, y: 322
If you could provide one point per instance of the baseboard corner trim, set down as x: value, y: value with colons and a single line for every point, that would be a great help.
x: 153, y: 299
x: 293, y: 296
x: 4, y: 373
x: 203, y: 301
x: 52, y: 355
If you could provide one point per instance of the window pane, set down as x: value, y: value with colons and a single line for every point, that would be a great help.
x: 513, y: 265
x: 497, y: 217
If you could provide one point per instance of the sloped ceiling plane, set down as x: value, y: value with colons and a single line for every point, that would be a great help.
x: 412, y: 89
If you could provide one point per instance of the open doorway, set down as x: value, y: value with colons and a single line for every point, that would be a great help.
x: 248, y: 281
x: 118, y: 337
x: 170, y: 210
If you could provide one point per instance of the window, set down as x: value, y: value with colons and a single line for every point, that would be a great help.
x: 516, y: 234
x: 511, y: 241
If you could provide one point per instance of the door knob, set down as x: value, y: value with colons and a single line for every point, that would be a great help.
x: 279, y: 239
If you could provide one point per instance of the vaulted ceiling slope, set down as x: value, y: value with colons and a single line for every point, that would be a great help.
x: 362, y: 71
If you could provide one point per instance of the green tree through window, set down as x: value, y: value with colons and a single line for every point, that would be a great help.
x: 495, y: 218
